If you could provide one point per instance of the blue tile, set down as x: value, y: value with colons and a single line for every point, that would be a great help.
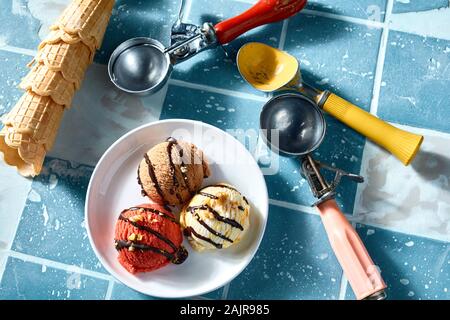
x: 214, y: 67
x: 52, y: 223
x: 420, y: 95
x: 25, y: 280
x: 122, y: 292
x: 138, y: 18
x: 335, y: 55
x: 412, y: 267
x: 401, y: 6
x: 341, y: 147
x: 364, y: 9
x: 22, y: 27
x: 13, y: 68
x: 294, y: 261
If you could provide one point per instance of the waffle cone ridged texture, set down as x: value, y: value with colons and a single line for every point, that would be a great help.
x: 57, y: 71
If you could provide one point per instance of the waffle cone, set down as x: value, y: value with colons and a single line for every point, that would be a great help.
x: 29, y: 132
x: 71, y: 60
x: 45, y: 82
x: 57, y: 35
x: 86, y: 18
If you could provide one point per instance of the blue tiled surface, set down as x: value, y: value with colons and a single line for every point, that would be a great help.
x: 421, y: 97
x: 288, y: 266
x: 27, y: 280
x: 335, y: 55
x: 214, y: 64
x: 295, y: 260
x: 401, y: 6
x: 22, y: 28
x: 364, y: 9
x: 52, y: 223
x: 412, y: 267
x: 13, y: 69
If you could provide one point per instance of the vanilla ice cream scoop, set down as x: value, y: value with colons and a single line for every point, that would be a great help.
x: 216, y: 217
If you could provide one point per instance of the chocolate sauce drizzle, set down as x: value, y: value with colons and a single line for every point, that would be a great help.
x: 229, y: 221
x: 151, y: 173
x: 160, y: 213
x: 189, y: 230
x: 177, y: 257
x: 209, y: 195
x: 207, y: 227
x: 179, y: 253
x: 149, y: 230
x: 171, y: 143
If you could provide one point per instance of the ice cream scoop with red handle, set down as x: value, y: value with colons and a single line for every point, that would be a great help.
x: 263, y: 12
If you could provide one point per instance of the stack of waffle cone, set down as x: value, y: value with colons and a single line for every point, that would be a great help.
x: 57, y: 71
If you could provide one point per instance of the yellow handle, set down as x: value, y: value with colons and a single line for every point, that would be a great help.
x: 402, y: 144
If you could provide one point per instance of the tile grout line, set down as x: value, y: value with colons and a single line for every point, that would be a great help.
x: 381, y: 59
x: 283, y: 34
x: 59, y: 265
x: 364, y: 22
x: 343, y: 287
x: 302, y: 209
x: 239, y: 94
x: 27, y: 52
x: 226, y: 290
x: 109, y: 290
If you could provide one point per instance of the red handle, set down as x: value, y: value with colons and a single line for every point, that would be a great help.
x: 350, y: 251
x: 263, y: 12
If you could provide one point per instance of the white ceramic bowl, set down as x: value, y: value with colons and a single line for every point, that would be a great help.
x: 114, y: 187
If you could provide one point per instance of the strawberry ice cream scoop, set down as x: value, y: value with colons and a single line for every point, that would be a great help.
x: 148, y: 237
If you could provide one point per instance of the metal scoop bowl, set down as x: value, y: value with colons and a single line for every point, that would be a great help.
x: 143, y: 65
x: 300, y: 127
x: 270, y: 69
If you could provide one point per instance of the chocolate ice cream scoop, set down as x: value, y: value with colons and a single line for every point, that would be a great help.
x: 172, y: 172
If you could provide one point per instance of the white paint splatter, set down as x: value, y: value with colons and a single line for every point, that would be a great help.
x: 294, y: 188
x: 409, y: 243
x: 52, y: 181
x: 45, y: 214
x: 403, y: 1
x: 404, y: 282
x: 323, y: 81
x: 323, y: 256
x: 410, y: 293
x: 33, y: 196
x: 74, y: 281
x: 370, y: 232
x: 44, y: 268
x: 57, y: 224
x: 447, y: 50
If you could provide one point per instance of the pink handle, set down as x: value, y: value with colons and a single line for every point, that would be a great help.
x: 358, y: 267
x: 263, y: 12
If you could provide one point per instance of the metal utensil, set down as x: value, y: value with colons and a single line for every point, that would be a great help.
x: 299, y: 126
x: 143, y: 65
x: 269, y: 69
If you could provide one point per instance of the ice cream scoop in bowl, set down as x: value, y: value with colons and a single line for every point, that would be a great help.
x: 294, y: 126
x: 270, y: 69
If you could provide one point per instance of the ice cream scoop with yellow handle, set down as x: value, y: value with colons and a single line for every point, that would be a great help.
x: 270, y: 69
